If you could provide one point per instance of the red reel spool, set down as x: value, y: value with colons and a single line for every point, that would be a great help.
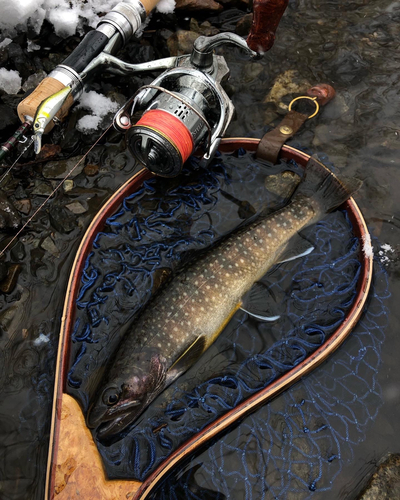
x: 171, y: 128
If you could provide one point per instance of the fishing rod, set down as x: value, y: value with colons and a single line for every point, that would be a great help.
x: 52, y: 99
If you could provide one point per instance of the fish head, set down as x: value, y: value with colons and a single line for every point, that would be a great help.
x: 127, y: 393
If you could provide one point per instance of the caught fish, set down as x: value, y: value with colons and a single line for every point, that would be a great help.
x: 46, y: 111
x: 190, y: 313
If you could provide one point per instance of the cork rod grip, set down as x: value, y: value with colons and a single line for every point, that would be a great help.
x: 46, y: 88
x: 149, y: 4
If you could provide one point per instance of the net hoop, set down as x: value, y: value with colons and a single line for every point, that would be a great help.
x: 142, y: 490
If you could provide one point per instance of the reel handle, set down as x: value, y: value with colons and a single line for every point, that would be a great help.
x: 266, y: 18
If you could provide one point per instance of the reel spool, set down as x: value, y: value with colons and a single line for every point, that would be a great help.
x: 184, y: 110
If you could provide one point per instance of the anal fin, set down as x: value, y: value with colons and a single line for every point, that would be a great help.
x: 259, y: 302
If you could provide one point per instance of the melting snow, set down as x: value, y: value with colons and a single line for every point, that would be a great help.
x: 67, y: 16
x: 10, y: 81
x: 383, y: 253
x: 42, y: 339
x: 5, y: 42
x: 99, y: 105
x: 166, y: 6
x: 367, y: 247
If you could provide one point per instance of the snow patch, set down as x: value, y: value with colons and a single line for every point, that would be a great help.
x: 10, y: 81
x: 384, y: 253
x: 67, y: 16
x: 5, y: 42
x: 166, y: 6
x: 367, y: 246
x: 99, y: 105
x: 42, y: 339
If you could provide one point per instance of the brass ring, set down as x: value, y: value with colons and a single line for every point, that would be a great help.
x: 313, y: 99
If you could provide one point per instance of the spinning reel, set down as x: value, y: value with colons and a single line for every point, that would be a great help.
x: 185, y: 109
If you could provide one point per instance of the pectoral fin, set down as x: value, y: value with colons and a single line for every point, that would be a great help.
x: 188, y: 357
x: 260, y: 303
x: 297, y: 247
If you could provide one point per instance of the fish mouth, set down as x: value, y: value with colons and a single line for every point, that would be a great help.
x: 111, y: 421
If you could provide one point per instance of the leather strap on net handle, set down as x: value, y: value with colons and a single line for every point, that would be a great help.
x: 272, y: 142
x: 49, y: 86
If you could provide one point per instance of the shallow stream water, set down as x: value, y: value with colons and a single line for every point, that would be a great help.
x: 353, y: 46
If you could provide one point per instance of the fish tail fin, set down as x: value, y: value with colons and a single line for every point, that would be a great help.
x: 324, y: 190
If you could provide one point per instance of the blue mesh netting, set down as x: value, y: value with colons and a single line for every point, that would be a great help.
x: 164, y: 226
x: 296, y: 446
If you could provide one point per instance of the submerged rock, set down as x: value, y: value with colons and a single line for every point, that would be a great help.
x: 59, y: 169
x: 282, y: 184
x: 23, y: 206
x: 91, y: 170
x: 385, y: 482
x: 62, y: 220
x: 50, y: 247
x: 286, y: 83
x: 9, y: 217
x: 9, y: 283
x: 76, y: 208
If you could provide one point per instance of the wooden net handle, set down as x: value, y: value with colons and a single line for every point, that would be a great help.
x: 46, y: 88
x: 267, y: 14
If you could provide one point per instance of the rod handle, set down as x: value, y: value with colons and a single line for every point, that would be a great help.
x: 47, y: 87
x: 266, y: 17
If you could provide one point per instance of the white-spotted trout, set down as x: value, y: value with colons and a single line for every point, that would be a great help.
x: 189, y: 314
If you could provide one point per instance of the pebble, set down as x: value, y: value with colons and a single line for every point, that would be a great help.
x: 286, y: 83
x: 59, y: 169
x: 62, y: 220
x: 9, y: 217
x: 33, y: 80
x: 42, y: 189
x: 50, y: 247
x: 49, y: 151
x: 18, y: 252
x: 68, y: 185
x: 23, y: 206
x: 91, y: 170
x: 19, y: 193
x: 9, y: 283
x: 385, y: 482
x: 76, y: 208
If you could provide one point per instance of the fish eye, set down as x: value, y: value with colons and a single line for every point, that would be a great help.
x: 110, y: 397
x: 36, y: 125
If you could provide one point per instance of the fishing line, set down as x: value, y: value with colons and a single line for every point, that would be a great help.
x: 52, y: 193
x: 171, y: 128
x: 16, y: 161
